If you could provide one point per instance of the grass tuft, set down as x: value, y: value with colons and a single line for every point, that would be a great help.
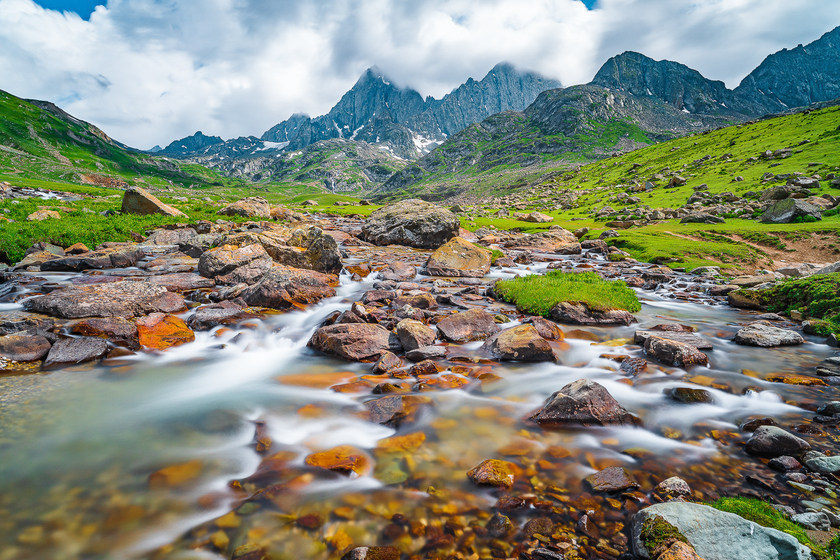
x: 538, y: 294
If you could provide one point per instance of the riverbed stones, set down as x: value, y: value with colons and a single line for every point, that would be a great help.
x: 573, y: 313
x: 354, y: 341
x: 772, y: 441
x: 689, y: 395
x: 612, y: 479
x: 395, y: 410
x: 813, y: 520
x: 285, y: 287
x: 766, y: 336
x: 115, y: 299
x: 674, y: 353
x: 459, y: 257
x: 76, y: 350
x: 160, y: 331
x: 547, y: 329
x: 521, y: 343
x: 112, y: 257
x: 373, y: 553
x: 249, y: 207
x: 311, y: 249
x: 466, y: 326
x: 583, y: 403
x: 673, y: 486
x: 115, y: 329
x: 142, y: 202
x: 640, y: 337
x: 422, y: 300
x: 493, y: 472
x: 181, y: 281
x: 12, y: 322
x: 703, y: 526
x: 820, y: 463
x: 414, y: 334
x: 746, y: 299
x: 228, y: 258
x: 398, y: 272
x: 388, y: 361
x: 23, y: 348
x: 223, y: 313
x: 413, y: 222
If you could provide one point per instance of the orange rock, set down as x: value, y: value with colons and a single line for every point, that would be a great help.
x: 344, y: 459
x: 558, y: 452
x: 357, y: 386
x: 311, y: 411
x: 443, y: 382
x: 175, y: 475
x: 160, y: 331
x: 493, y: 472
x: 793, y: 379
x: 518, y: 448
x: 323, y: 380
x: 409, y: 442
x: 340, y: 540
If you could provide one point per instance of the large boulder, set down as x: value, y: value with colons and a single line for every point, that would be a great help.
x: 227, y: 258
x: 114, y: 299
x: 474, y: 324
x: 414, y: 334
x: 360, y: 342
x: 533, y: 217
x: 719, y: 535
x: 459, y: 257
x: 112, y: 257
x: 573, y: 313
x: 787, y: 210
x: 142, y: 202
x: 702, y: 218
x: 412, y: 222
x: 398, y: 272
x: 250, y: 207
x: 522, y: 343
x: 583, y: 403
x: 772, y: 441
x: 311, y: 249
x: 674, y: 353
x: 767, y: 336
x: 284, y: 287
x: 76, y: 350
x: 115, y: 329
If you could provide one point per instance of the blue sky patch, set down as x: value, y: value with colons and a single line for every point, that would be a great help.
x: 82, y: 7
x: 589, y: 3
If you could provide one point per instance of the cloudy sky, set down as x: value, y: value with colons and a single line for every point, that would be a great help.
x: 151, y: 71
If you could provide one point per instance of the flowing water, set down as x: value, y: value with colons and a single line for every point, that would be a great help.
x: 76, y: 454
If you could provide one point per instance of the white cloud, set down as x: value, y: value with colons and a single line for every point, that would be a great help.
x: 151, y: 71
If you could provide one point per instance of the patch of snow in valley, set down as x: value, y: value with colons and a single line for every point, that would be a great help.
x: 273, y: 146
x: 356, y: 132
x: 423, y: 144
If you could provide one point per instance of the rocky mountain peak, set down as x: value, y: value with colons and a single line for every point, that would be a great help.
x: 191, y: 144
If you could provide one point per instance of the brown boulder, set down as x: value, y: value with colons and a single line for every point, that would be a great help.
x: 181, y: 281
x: 522, y: 343
x: 612, y: 479
x: 574, y: 313
x: 394, y: 411
x: 413, y: 222
x: 41, y: 215
x: 640, y: 337
x: 493, y: 472
x: 474, y: 324
x: 142, y: 202
x: 115, y: 329
x: 414, y: 334
x: 22, y: 348
x: 284, y: 287
x: 459, y: 257
x: 583, y: 403
x: 674, y: 353
x: 75, y: 351
x: 398, y: 272
x: 354, y: 341
x: 224, y: 313
x: 547, y: 329
x: 250, y: 207
x: 115, y: 299
x: 227, y: 258
x: 417, y: 301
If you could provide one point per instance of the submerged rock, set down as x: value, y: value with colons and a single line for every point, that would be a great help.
x: 583, y: 403
x: 160, y: 331
x: 412, y: 222
x: 355, y: 341
x: 612, y: 479
x: 459, y: 257
x: 521, y: 343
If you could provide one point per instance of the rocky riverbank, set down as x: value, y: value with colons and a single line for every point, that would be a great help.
x: 481, y: 431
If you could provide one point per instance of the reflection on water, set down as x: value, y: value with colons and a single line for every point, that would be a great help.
x: 74, y: 472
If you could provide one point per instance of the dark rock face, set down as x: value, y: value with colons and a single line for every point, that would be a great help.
x: 522, y: 343
x: 23, y: 348
x: 76, y: 350
x: 393, y: 411
x: 771, y: 441
x: 412, y: 222
x: 116, y: 299
x: 583, y: 403
x: 354, y: 341
x: 191, y: 144
x: 284, y: 287
x: 474, y: 324
x: 688, y: 395
x: 579, y: 314
x: 787, y: 210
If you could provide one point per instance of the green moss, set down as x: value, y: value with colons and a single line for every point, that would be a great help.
x: 816, y: 296
x: 538, y: 294
x: 763, y: 514
x: 495, y: 254
x: 656, y: 531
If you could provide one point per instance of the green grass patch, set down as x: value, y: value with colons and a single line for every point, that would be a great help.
x: 817, y: 297
x: 763, y: 514
x: 537, y: 294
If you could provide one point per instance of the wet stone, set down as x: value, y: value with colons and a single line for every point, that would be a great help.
x: 766, y: 336
x: 16, y: 321
x: 546, y: 329
x: 640, y: 337
x: 571, y: 313
x: 398, y: 272
x: 355, y: 342
x: 674, y: 353
x: 395, y: 410
x: 770, y: 441
x: 753, y: 424
x: 23, y: 348
x: 493, y: 472
x: 674, y: 486
x: 688, y: 395
x: 116, y: 299
x: 76, y: 350
x: 473, y: 324
x: 539, y: 526
x: 499, y: 525
x: 116, y: 329
x: 414, y: 334
x: 373, y: 553
x: 784, y: 464
x: 612, y: 479
x: 583, y: 403
x: 522, y: 343
x: 817, y: 462
x: 388, y: 361
x: 160, y: 331
x: 426, y: 353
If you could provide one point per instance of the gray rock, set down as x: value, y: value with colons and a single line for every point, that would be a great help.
x: 412, y: 222
x: 640, y: 337
x: 702, y: 218
x: 222, y: 260
x: 765, y: 336
x: 720, y: 535
x: 786, y: 211
x: 817, y: 462
x: 583, y: 403
x: 76, y: 350
x: 814, y: 521
x: 829, y: 269
x: 772, y: 441
x: 398, y: 272
x: 674, y: 486
x: 829, y: 409
x: 115, y: 299
x: 426, y: 353
x: 195, y: 246
x: 142, y: 202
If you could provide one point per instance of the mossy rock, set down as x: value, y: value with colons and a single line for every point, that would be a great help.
x: 658, y: 535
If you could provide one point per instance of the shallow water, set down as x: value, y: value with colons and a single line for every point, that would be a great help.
x: 75, y: 461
